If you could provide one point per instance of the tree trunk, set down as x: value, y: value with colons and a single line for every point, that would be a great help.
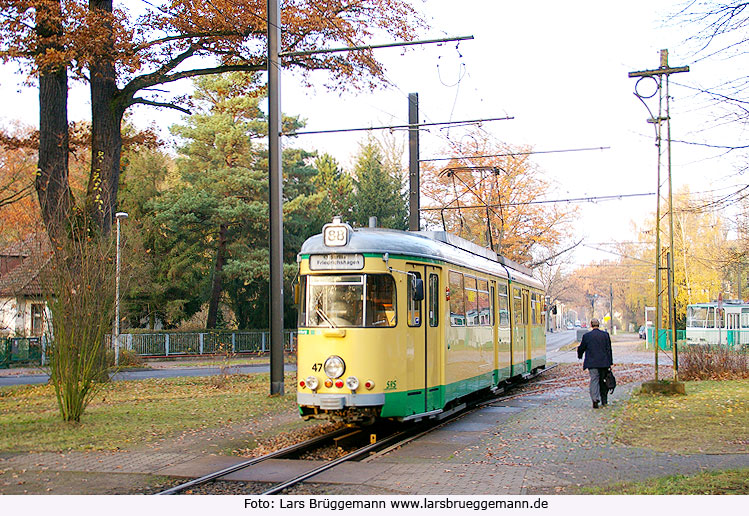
x: 106, y: 131
x: 52, y: 187
x: 217, y: 284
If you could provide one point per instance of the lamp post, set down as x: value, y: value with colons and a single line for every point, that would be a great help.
x: 116, y: 330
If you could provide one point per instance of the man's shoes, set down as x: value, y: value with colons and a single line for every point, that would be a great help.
x: 595, y: 404
x: 603, y: 404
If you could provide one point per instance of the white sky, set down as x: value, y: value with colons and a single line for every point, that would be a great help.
x: 560, y: 68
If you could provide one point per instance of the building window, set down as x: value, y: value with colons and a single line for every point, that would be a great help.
x: 37, y: 319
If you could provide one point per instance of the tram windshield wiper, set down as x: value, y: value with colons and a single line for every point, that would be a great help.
x: 322, y: 315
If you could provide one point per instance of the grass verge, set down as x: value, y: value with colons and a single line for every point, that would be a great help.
x: 711, y: 418
x: 128, y: 413
x: 569, y: 347
x: 216, y: 361
x: 708, y: 483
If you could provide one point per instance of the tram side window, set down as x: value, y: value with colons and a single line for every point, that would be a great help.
x: 504, y: 307
x: 302, y: 320
x: 517, y: 306
x: 534, y: 308
x: 457, y: 302
x: 434, y: 300
x: 472, y: 301
x: 492, y: 297
x: 710, y: 318
x: 485, y: 312
x: 414, y: 307
x: 381, y: 309
x: 745, y: 317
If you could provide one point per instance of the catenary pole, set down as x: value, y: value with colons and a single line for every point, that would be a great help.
x: 413, y: 162
x: 275, y: 179
x: 672, y: 253
x: 664, y: 71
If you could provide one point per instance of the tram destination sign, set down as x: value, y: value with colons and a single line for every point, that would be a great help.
x: 326, y: 262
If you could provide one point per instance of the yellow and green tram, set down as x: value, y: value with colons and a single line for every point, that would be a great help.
x: 403, y: 325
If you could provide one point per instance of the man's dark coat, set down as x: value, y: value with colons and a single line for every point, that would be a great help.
x: 596, y: 345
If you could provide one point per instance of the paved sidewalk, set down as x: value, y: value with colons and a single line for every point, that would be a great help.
x: 530, y: 445
x: 545, y: 443
x: 145, y: 462
x: 625, y: 351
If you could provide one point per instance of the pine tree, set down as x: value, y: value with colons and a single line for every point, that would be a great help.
x: 379, y: 192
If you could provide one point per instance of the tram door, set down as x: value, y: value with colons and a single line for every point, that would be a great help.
x: 732, y: 328
x: 433, y: 332
x: 520, y: 325
x: 528, y: 330
x: 423, y: 327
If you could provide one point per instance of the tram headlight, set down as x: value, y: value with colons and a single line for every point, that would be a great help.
x: 334, y: 367
x: 312, y: 382
x: 352, y: 382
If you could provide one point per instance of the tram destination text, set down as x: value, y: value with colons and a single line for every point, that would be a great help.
x: 325, y: 262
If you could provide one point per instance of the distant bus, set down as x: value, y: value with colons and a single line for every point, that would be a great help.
x: 709, y: 323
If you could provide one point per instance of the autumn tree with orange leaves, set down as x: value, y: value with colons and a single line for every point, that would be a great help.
x: 494, y: 182
x: 19, y: 214
x: 127, y: 57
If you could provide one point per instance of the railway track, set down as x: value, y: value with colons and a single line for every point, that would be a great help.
x: 380, y: 446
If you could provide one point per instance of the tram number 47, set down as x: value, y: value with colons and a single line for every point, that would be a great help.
x: 317, y: 367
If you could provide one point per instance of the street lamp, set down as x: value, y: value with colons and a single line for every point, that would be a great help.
x: 116, y: 331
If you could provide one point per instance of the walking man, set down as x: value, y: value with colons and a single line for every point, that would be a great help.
x: 596, y: 346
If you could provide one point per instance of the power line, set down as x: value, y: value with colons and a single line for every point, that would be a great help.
x: 517, y: 153
x: 551, y: 201
x: 622, y: 243
x: 618, y: 254
x: 372, y: 47
x: 403, y: 126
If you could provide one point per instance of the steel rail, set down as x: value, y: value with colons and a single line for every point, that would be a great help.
x: 398, y: 439
x: 328, y: 465
x: 389, y: 443
x: 294, y: 448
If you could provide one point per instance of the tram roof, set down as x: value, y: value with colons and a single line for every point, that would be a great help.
x: 434, y: 245
x: 730, y: 303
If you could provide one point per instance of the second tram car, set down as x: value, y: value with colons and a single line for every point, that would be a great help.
x: 402, y: 325
x: 724, y: 323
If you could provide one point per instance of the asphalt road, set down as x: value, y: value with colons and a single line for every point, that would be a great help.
x: 143, y: 374
x: 559, y: 338
x: 554, y: 341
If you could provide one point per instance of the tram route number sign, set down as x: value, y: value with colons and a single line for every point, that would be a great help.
x: 336, y: 235
x: 325, y: 262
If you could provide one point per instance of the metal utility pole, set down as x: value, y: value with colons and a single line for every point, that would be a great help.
x: 611, y: 308
x: 275, y: 177
x: 116, y: 330
x: 660, y: 76
x: 413, y: 162
x: 275, y: 180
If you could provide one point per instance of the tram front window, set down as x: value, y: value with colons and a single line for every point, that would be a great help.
x: 353, y: 301
x: 696, y: 316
